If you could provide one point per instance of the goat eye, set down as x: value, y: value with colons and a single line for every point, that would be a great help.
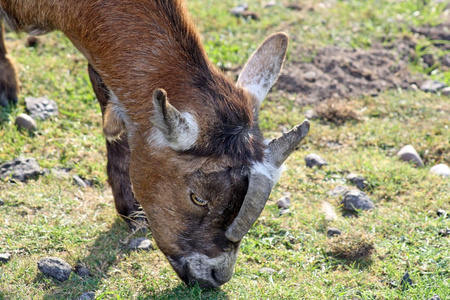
x: 197, y: 200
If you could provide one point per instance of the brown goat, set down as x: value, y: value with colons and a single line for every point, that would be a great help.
x: 198, y: 165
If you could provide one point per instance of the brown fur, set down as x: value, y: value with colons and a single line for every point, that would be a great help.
x: 9, y: 84
x: 135, y: 47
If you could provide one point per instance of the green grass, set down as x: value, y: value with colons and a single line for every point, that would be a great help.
x: 51, y: 216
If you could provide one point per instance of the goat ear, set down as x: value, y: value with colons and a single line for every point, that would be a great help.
x: 264, y: 66
x: 177, y: 130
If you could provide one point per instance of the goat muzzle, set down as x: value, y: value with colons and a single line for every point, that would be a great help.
x: 263, y: 177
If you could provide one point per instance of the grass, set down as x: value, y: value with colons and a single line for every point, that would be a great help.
x: 51, y: 216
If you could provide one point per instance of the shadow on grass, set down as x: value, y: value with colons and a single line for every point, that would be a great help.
x: 106, y: 253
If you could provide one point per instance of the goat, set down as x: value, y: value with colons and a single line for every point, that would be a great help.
x: 198, y: 163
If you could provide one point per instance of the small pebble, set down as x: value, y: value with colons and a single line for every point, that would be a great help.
x: 311, y: 114
x: 269, y: 271
x: 444, y: 232
x: 41, y: 107
x: 440, y: 169
x: 406, y: 281
x: 435, y: 297
x: 285, y: 211
x: 5, y: 257
x: 338, y: 191
x: 357, y: 200
x: 87, y: 296
x: 314, y: 160
x: 82, y: 271
x: 310, y: 76
x: 441, y: 213
x: 238, y: 10
x: 284, y: 202
x: 357, y: 180
x: 79, y: 181
x: 333, y: 232
x: 445, y: 91
x: 409, y: 154
x: 2, y: 202
x: 26, y: 122
x: 432, y: 86
x: 55, y: 267
x: 140, y: 244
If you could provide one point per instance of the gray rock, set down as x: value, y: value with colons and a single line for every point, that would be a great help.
x: 140, y: 244
x: 445, y: 60
x: 284, y: 202
x: 26, y: 122
x: 238, y: 10
x: 285, y: 211
x: 314, y: 160
x: 357, y: 200
x: 311, y: 114
x: 310, y: 76
x: 79, y: 181
x: 432, y: 86
x: 441, y: 169
x: 357, y: 180
x: 435, y: 297
x: 269, y: 271
x: 20, y: 169
x: 441, y: 213
x: 409, y: 154
x: 5, y: 257
x: 55, y: 267
x: 87, y: 296
x: 338, y: 191
x: 445, y: 91
x: 82, y: 271
x: 41, y: 107
x: 406, y: 281
x: 333, y: 232
x: 444, y: 232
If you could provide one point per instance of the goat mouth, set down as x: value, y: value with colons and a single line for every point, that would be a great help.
x: 181, y: 267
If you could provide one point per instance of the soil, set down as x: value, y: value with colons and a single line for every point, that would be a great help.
x: 437, y: 33
x: 337, y: 72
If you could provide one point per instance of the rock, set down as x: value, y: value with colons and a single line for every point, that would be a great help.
x: 26, y: 122
x: 2, y: 202
x: 41, y: 107
x: 441, y: 213
x: 406, y: 281
x: 444, y: 232
x: 285, y: 211
x: 357, y: 200
x: 428, y: 59
x: 294, y: 7
x: 445, y: 60
x: 284, y: 202
x: 333, y: 232
x: 5, y: 257
x: 409, y: 154
x: 238, y: 10
x: 140, y: 244
x: 441, y: 169
x: 270, y: 4
x: 328, y: 210
x: 269, y: 271
x: 61, y: 173
x: 20, y: 169
x: 250, y: 15
x: 445, y: 91
x: 435, y: 297
x: 82, y: 271
x: 357, y: 180
x: 310, y: 76
x: 311, y: 114
x: 338, y: 191
x: 87, y: 296
x: 79, y: 181
x: 432, y: 86
x: 314, y: 160
x: 55, y: 267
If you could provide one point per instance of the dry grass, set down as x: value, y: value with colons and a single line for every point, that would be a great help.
x: 338, y: 111
x: 351, y: 246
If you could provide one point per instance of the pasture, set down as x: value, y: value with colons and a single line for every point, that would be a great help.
x: 358, y: 64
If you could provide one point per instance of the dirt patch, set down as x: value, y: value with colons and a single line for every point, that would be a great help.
x: 337, y: 72
x: 440, y: 34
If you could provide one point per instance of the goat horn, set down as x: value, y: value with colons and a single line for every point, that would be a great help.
x: 263, y: 177
x: 282, y: 147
